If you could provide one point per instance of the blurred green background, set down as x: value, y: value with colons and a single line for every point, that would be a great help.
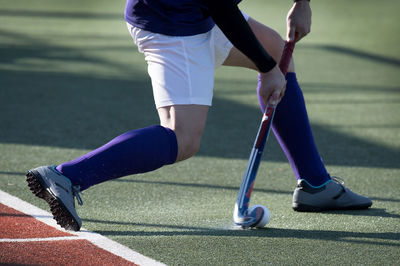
x: 71, y: 79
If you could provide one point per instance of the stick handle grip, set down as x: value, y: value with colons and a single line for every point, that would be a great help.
x: 286, y: 56
x: 270, y: 109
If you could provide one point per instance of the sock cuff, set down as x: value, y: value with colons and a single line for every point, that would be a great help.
x: 173, y: 144
x: 291, y: 76
x: 308, y: 183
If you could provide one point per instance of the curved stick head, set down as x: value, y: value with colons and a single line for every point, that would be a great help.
x: 249, y: 217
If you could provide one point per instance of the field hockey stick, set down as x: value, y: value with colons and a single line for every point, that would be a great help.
x: 256, y: 216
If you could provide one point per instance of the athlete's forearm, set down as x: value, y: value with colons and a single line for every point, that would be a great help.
x: 230, y: 20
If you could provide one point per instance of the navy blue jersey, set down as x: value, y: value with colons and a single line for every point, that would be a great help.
x: 169, y: 17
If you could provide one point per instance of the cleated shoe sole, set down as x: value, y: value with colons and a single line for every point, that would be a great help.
x: 46, y: 183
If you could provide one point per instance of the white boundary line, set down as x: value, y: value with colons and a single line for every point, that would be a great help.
x: 95, y: 238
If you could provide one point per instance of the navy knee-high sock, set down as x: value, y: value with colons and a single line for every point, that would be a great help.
x: 136, y: 151
x: 292, y: 129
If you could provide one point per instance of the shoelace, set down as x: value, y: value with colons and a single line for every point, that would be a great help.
x: 75, y: 191
x: 338, y: 179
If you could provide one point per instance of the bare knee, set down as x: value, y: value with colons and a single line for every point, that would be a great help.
x: 188, y: 142
x: 188, y: 122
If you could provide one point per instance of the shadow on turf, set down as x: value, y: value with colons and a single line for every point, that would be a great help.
x: 85, y: 111
x: 82, y: 112
x: 353, y: 237
x: 60, y: 14
x: 377, y: 212
x: 337, y: 49
x: 197, y: 185
x: 218, y: 187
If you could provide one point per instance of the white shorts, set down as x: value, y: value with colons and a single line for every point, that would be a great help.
x: 182, y: 68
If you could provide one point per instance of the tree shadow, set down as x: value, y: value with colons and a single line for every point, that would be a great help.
x: 44, y: 14
x: 372, y: 212
x: 378, y: 212
x: 356, y: 53
x: 85, y: 111
x: 198, y: 185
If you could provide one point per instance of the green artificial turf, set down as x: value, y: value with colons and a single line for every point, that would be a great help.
x: 71, y: 79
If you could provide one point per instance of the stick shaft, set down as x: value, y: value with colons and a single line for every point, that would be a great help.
x: 242, y: 203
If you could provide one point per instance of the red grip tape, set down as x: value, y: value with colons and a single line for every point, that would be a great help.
x: 286, y: 56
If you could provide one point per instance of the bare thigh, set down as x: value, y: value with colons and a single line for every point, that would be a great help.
x: 268, y: 38
x: 188, y: 122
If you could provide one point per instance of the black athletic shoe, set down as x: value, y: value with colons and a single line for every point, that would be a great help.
x: 48, y: 184
x: 331, y: 196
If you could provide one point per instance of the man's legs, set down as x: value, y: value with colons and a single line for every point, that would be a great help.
x: 182, y: 73
x: 137, y: 151
x: 290, y: 125
x: 315, y: 191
